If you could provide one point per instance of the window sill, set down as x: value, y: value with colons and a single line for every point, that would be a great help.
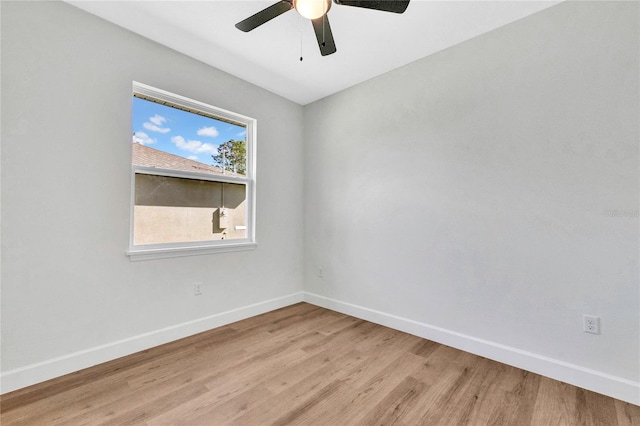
x: 137, y: 254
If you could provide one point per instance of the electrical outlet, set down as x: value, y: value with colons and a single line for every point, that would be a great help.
x: 591, y: 324
x: 197, y: 289
x: 320, y: 272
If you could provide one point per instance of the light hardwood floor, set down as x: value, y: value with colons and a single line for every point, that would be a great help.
x: 305, y: 365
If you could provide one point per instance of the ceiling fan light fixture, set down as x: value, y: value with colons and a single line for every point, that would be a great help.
x: 312, y: 9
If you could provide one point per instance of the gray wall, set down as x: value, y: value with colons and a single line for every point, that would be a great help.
x: 471, y: 190
x: 67, y: 284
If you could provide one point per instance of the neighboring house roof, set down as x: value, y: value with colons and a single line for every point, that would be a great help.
x: 150, y: 157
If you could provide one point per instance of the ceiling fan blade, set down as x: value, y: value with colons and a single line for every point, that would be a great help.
x: 264, y: 15
x: 396, y: 6
x: 324, y: 35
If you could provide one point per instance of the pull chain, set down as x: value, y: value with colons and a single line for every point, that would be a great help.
x: 323, y: 27
x: 300, y: 31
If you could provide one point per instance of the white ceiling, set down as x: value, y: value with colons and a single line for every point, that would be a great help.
x: 369, y: 42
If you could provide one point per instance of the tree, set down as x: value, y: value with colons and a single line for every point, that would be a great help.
x: 232, y: 155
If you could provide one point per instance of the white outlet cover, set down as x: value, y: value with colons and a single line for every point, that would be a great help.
x: 591, y: 324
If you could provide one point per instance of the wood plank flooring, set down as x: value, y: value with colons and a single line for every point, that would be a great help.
x: 305, y: 365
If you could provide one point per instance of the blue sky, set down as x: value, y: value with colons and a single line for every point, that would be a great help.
x: 179, y: 132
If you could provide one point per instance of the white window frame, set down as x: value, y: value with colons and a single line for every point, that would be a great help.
x: 164, y: 250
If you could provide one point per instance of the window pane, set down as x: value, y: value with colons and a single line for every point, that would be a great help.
x: 170, y: 209
x: 193, y: 171
x: 173, y: 134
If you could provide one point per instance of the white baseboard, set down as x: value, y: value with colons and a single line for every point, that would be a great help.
x: 596, y: 381
x: 49, y: 369
x: 615, y: 387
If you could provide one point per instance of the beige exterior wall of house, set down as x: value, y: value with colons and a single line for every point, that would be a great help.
x: 169, y: 209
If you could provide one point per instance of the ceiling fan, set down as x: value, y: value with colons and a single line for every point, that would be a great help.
x: 316, y: 11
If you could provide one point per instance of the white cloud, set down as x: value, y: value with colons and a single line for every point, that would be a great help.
x: 193, y: 157
x: 154, y: 128
x: 195, y: 147
x: 212, y: 132
x: 158, y: 120
x: 143, y: 139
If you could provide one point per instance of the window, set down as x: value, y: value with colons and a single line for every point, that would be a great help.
x: 193, y: 177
